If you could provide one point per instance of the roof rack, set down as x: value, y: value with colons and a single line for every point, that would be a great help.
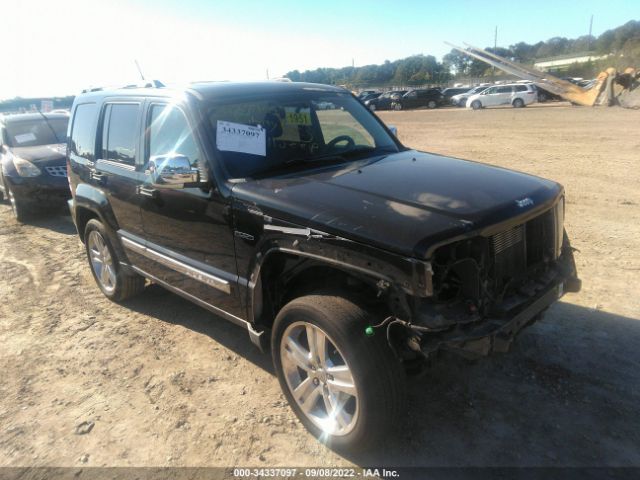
x: 143, y: 84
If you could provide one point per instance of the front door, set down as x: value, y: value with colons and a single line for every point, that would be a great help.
x: 188, y: 232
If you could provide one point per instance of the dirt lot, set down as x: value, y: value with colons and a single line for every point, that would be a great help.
x: 161, y: 382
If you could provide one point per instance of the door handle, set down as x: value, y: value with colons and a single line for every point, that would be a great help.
x: 97, y: 176
x: 147, y: 192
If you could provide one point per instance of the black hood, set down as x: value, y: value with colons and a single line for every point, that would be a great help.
x: 42, y: 153
x: 405, y: 202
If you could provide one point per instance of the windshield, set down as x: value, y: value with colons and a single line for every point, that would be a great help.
x: 37, y: 132
x: 267, y: 134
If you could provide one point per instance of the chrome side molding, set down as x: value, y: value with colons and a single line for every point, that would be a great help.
x: 180, y: 267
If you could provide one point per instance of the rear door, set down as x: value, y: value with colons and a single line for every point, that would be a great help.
x: 118, y: 169
x: 504, y: 94
x: 188, y: 231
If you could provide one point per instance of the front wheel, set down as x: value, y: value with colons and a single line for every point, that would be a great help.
x: 397, y: 106
x: 476, y: 105
x: 518, y: 103
x: 18, y: 207
x: 106, y: 267
x: 372, y: 107
x: 431, y: 104
x: 347, y: 388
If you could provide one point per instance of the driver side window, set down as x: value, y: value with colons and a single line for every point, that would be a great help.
x: 337, y: 123
x: 169, y: 132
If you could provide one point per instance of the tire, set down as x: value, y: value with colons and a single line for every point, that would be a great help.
x: 372, y: 107
x: 518, y: 103
x: 397, y: 106
x: 476, y: 105
x: 115, y: 284
x: 373, y: 373
x: 431, y: 104
x: 20, y: 211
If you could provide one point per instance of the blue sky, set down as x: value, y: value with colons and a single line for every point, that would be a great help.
x: 87, y: 42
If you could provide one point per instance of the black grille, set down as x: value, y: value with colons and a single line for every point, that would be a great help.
x: 521, y: 248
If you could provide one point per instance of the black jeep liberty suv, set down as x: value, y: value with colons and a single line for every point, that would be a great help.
x: 354, y: 258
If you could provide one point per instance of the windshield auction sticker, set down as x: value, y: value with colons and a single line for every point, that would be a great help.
x: 236, y: 137
x: 25, y: 137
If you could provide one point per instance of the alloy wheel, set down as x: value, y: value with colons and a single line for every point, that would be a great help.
x: 101, y: 261
x: 319, y: 378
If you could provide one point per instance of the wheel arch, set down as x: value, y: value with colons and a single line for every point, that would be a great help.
x: 89, y: 202
x: 283, y: 275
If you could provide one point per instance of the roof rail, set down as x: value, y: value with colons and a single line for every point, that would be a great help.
x: 143, y: 84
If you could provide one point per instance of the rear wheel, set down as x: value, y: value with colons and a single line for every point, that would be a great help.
x: 476, y: 105
x: 372, y: 107
x: 106, y: 265
x: 397, y: 106
x: 518, y: 103
x: 347, y: 388
x: 432, y: 104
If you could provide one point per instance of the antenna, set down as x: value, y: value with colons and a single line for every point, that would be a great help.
x: 139, y: 69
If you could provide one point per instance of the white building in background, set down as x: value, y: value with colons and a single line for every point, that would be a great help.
x: 565, y: 61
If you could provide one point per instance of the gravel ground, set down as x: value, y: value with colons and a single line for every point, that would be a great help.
x: 159, y: 381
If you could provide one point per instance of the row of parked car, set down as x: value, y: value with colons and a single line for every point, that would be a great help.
x: 517, y: 94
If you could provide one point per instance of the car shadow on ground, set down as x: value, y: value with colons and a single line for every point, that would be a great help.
x: 58, y: 221
x: 566, y: 394
x: 168, y: 307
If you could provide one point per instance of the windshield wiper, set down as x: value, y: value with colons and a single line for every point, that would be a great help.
x: 326, y: 159
x: 344, y: 155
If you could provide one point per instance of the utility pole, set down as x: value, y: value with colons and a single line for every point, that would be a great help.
x: 590, y: 31
x: 495, y: 46
x: 267, y: 74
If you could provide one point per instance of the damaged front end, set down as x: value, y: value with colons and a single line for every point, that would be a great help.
x: 487, y: 288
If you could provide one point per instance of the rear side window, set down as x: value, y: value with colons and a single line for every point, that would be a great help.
x: 83, y: 135
x: 120, y: 132
x: 503, y: 90
x: 521, y: 88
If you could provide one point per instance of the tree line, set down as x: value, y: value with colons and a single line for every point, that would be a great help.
x: 426, y: 69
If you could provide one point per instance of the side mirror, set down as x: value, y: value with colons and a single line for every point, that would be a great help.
x: 393, y: 129
x: 172, y: 171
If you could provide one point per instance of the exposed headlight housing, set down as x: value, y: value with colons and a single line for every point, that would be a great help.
x: 25, y: 168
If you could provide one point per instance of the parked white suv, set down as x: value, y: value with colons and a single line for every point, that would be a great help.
x: 517, y: 95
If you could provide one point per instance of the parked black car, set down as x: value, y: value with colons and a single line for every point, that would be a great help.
x: 370, y: 96
x: 384, y: 101
x: 354, y: 258
x: 430, y: 98
x: 32, y: 156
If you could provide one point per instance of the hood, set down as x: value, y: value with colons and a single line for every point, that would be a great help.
x: 406, y: 202
x: 41, y: 153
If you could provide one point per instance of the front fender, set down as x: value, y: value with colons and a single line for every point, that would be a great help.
x: 409, y: 275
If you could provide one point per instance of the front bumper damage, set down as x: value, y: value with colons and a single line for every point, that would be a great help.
x: 495, y: 334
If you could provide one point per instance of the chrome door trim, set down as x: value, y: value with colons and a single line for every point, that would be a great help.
x: 124, y: 166
x: 180, y: 267
x: 213, y: 309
